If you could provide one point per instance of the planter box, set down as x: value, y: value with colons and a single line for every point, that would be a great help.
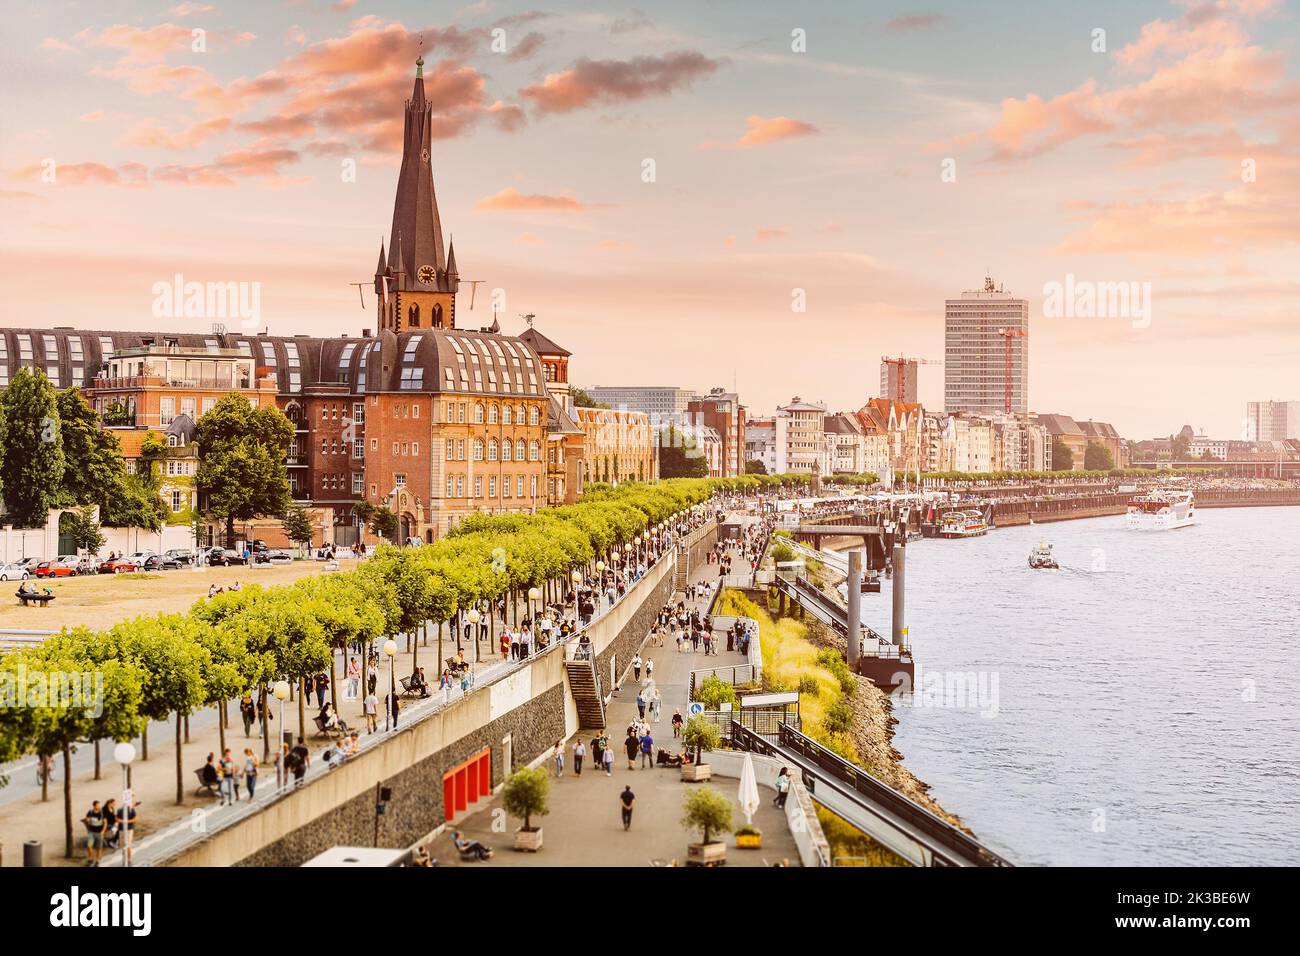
x: 694, y: 772
x: 706, y: 854
x: 530, y: 840
x: 749, y: 841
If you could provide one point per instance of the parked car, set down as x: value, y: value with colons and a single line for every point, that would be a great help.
x: 13, y: 572
x: 275, y: 556
x: 30, y: 564
x: 258, y: 546
x: 60, y: 568
x: 182, y: 555
x: 118, y: 566
x: 160, y: 562
x: 140, y: 557
x: 223, y: 557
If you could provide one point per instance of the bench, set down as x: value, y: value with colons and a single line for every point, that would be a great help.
x: 323, y: 731
x: 208, y: 787
x: 42, y: 598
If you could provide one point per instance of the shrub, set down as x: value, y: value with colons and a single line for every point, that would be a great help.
x: 809, y: 686
x: 527, y: 792
x: 713, y: 692
x: 708, y: 811
x: 701, y: 736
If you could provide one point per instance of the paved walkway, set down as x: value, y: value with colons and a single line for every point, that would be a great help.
x: 584, y: 827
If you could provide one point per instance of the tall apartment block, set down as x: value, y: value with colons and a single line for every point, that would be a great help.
x: 1272, y: 421
x: 978, y: 328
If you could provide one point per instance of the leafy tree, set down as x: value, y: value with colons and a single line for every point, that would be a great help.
x: 707, y: 811
x: 383, y: 522
x: 364, y: 511
x: 33, y: 463
x: 297, y: 525
x: 701, y: 736
x: 713, y: 692
x: 755, y: 467
x: 138, y: 506
x: 1062, y: 457
x: 242, y: 453
x: 527, y: 792
x: 1096, y: 457
x: 94, y: 469
x: 680, y: 455
x: 82, y: 527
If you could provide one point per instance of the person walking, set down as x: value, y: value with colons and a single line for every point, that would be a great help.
x: 626, y: 801
x: 677, y: 722
x: 608, y: 754
x: 559, y: 758
x: 354, y: 677
x: 299, y: 761
x: 247, y: 713
x: 782, y: 788
x: 630, y: 746
x: 579, y: 751
x: 95, y: 825
x: 649, y: 670
x: 647, y: 750
x: 250, y: 772
x: 640, y: 703
x: 371, y: 709
x: 226, y: 767
x: 636, y: 667
x: 656, y: 702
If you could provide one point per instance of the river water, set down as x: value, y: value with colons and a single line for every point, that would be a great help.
x: 1139, y: 706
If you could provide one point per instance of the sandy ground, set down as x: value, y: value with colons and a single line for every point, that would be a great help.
x: 101, y: 600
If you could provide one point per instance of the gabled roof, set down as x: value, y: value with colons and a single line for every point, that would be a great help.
x: 558, y: 421
x: 1060, y: 425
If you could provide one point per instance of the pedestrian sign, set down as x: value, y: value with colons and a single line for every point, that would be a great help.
x: 696, y: 708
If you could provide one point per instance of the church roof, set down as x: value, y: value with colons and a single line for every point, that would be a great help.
x: 541, y: 344
x: 415, y: 208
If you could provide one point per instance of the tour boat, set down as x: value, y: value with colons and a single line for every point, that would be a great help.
x: 1161, y: 509
x: 963, y: 524
x: 1041, y: 557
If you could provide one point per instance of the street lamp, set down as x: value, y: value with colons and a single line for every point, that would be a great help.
x: 124, y: 753
x: 281, y: 693
x: 600, y: 571
x: 534, y: 595
x: 390, y: 650
x: 576, y: 578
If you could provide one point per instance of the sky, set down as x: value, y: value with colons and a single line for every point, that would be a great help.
x: 760, y: 195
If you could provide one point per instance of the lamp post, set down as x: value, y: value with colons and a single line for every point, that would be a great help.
x: 600, y: 571
x: 390, y: 650
x: 281, y: 693
x: 576, y: 578
x: 124, y: 754
x: 534, y: 593
x: 474, y: 617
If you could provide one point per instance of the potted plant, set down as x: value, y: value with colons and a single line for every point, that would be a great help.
x: 749, y: 837
x: 526, y: 793
x: 709, y: 812
x: 700, y: 737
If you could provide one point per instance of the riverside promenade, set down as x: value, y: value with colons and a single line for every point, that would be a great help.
x: 584, y: 827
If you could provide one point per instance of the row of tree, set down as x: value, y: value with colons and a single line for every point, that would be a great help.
x: 171, y: 665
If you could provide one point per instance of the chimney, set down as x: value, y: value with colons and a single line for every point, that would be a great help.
x: 365, y: 333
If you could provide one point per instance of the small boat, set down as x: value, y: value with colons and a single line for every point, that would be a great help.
x: 1041, y: 557
x: 963, y: 524
x: 870, y: 582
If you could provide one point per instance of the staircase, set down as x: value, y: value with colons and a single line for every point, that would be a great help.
x: 584, y: 683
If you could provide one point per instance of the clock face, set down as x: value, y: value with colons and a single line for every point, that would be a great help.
x: 426, y: 274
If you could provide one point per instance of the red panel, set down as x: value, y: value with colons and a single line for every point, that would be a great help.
x: 449, y: 796
x: 485, y: 774
x: 461, y: 796
x: 471, y: 781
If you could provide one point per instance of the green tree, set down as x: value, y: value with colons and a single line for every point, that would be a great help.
x: 364, y: 511
x: 383, y: 522
x: 680, y: 455
x: 242, y: 453
x: 1097, y: 457
x: 94, y: 469
x: 713, y: 692
x: 138, y: 506
x: 297, y: 525
x: 755, y: 467
x: 707, y: 811
x: 1062, y: 457
x: 582, y: 398
x: 527, y: 792
x: 33, y: 463
x: 700, y: 736
x: 82, y: 527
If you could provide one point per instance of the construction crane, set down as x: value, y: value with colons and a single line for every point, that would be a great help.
x: 900, y: 372
x: 1007, y: 336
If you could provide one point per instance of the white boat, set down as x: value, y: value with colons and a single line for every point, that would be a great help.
x: 963, y: 524
x: 1041, y: 557
x: 1161, y: 509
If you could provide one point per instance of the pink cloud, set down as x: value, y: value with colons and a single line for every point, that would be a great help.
x: 594, y: 82
x: 148, y: 134
x: 767, y: 235
x: 512, y: 200
x: 766, y: 129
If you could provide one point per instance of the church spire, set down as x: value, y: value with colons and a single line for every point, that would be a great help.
x: 415, y: 209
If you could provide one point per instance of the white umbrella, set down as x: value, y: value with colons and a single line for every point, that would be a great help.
x: 748, y: 795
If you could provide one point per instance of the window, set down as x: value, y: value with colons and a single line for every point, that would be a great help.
x: 178, y: 501
x: 358, y: 413
x: 492, y: 486
x: 187, y: 407
x: 460, y: 449
x: 415, y: 448
x: 358, y: 448
x: 451, y: 487
x: 533, y: 451
x: 451, y: 450
x: 406, y: 448
x: 172, y: 441
x: 519, y: 415
x: 208, y: 405
x: 493, y: 414
x: 415, y: 411
x: 460, y: 413
x: 399, y: 480
x: 505, y: 486
x: 478, y: 449
x: 506, y: 448
x: 506, y: 415
x: 396, y: 446
x: 519, y: 487
x: 492, y: 450
x: 460, y: 486
x: 166, y: 410
x: 534, y: 414
x: 374, y: 444
x: 478, y: 414
x: 358, y: 483
x: 534, y: 486
x: 478, y: 486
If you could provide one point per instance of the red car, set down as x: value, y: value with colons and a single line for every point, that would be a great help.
x: 55, y: 569
x: 118, y: 565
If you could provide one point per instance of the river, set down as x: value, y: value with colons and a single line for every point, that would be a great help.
x: 1140, y: 706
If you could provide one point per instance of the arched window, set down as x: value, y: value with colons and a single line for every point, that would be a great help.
x: 534, y: 451
x: 413, y: 316
x: 534, y: 414
x: 507, y: 447
x: 507, y: 415
x: 478, y: 448
x: 520, y: 450
x: 493, y: 413
x: 478, y: 414
x: 492, y: 448
x: 519, y: 415
x: 437, y: 316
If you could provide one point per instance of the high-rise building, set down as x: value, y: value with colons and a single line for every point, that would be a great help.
x: 1272, y: 421
x: 898, y: 380
x: 721, y: 410
x: 978, y: 329
x: 665, y: 404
